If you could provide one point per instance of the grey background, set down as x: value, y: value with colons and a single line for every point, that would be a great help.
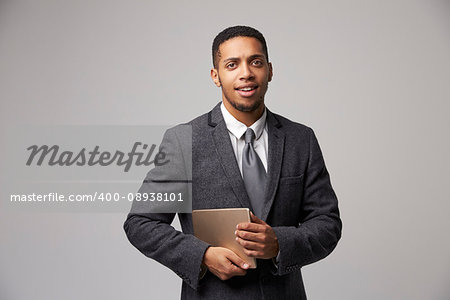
x: 371, y: 78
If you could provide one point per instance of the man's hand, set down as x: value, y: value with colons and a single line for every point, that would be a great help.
x: 257, y: 238
x: 224, y: 263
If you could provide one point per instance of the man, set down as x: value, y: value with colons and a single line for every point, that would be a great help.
x: 243, y: 155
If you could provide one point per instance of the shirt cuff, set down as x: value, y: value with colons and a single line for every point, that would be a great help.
x: 203, y: 270
x: 276, y: 259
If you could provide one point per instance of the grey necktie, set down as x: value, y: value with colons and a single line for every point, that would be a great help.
x: 253, y: 173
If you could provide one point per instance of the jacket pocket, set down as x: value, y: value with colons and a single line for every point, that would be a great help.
x: 291, y: 180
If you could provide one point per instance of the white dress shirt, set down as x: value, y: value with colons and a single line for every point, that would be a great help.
x: 237, y: 129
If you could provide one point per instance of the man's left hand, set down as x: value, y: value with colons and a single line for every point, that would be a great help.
x: 257, y: 238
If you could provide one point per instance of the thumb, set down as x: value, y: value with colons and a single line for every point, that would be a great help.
x: 235, y: 259
x: 255, y: 219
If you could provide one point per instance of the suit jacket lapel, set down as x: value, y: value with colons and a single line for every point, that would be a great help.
x: 274, y: 161
x: 227, y: 158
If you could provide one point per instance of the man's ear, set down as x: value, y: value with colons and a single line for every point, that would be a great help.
x: 270, y: 72
x: 215, y: 77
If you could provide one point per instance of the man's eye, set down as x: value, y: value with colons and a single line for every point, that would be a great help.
x: 257, y: 62
x: 231, y: 65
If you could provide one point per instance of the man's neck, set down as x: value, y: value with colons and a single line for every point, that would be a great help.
x: 246, y: 117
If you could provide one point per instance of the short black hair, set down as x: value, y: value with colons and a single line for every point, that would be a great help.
x: 235, y: 31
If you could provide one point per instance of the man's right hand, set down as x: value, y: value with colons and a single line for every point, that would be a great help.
x: 224, y: 263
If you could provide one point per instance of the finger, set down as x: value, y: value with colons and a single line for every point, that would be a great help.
x: 253, y: 253
x: 254, y: 227
x: 255, y: 219
x: 251, y: 236
x: 250, y: 245
x: 237, y: 260
x: 236, y: 271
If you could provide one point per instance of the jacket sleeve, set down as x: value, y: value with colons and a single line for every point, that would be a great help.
x: 149, y: 229
x: 319, y: 226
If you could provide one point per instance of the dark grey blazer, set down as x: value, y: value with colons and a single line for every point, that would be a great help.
x: 300, y: 205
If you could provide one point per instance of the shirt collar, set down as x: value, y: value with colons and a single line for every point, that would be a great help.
x: 238, y: 128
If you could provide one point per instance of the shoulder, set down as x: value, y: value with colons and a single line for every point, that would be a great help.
x: 201, y: 120
x: 198, y: 124
x: 299, y: 137
x: 290, y: 127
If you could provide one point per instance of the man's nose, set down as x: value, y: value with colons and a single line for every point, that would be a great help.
x: 246, y: 72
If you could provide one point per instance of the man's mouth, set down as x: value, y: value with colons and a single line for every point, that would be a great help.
x: 247, y: 91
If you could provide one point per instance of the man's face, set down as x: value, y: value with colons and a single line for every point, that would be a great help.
x: 243, y: 73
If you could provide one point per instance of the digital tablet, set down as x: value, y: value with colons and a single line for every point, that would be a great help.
x: 217, y: 226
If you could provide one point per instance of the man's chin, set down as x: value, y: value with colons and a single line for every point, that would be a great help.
x: 245, y: 107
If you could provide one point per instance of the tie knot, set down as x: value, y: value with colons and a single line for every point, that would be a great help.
x: 249, y: 136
